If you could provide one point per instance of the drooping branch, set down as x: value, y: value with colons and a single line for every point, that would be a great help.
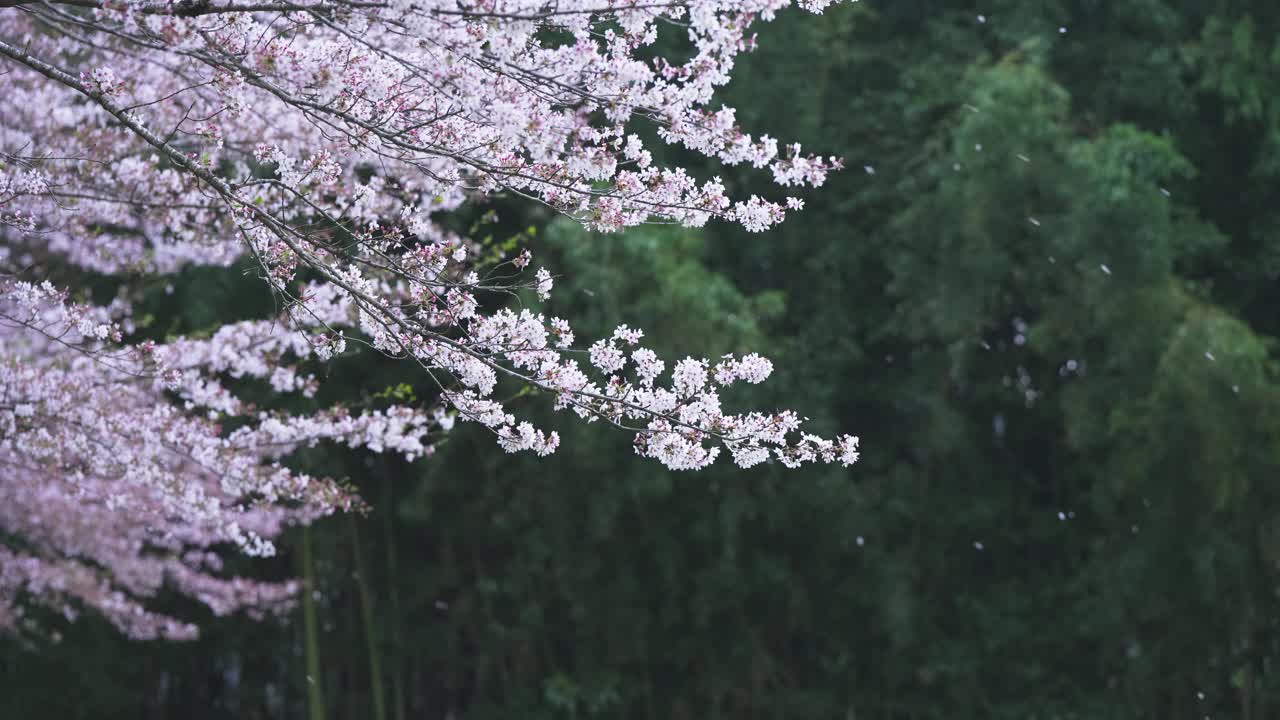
x: 324, y: 143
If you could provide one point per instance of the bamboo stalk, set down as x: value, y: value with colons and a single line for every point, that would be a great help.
x: 315, y: 696
x: 370, y: 630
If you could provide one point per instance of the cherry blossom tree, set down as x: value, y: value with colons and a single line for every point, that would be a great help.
x: 327, y: 141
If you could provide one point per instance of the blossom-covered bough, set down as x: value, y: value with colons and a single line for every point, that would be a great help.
x: 326, y: 141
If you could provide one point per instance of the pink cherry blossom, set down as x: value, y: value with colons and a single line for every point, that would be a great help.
x: 328, y: 139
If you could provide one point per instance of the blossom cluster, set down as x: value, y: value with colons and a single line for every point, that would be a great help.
x: 326, y: 140
x: 118, y: 470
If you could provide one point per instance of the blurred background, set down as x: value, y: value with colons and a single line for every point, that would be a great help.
x: 1043, y: 292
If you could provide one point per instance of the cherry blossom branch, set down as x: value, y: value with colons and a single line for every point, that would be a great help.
x: 325, y: 142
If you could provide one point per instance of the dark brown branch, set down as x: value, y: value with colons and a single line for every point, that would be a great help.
x: 196, y: 8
